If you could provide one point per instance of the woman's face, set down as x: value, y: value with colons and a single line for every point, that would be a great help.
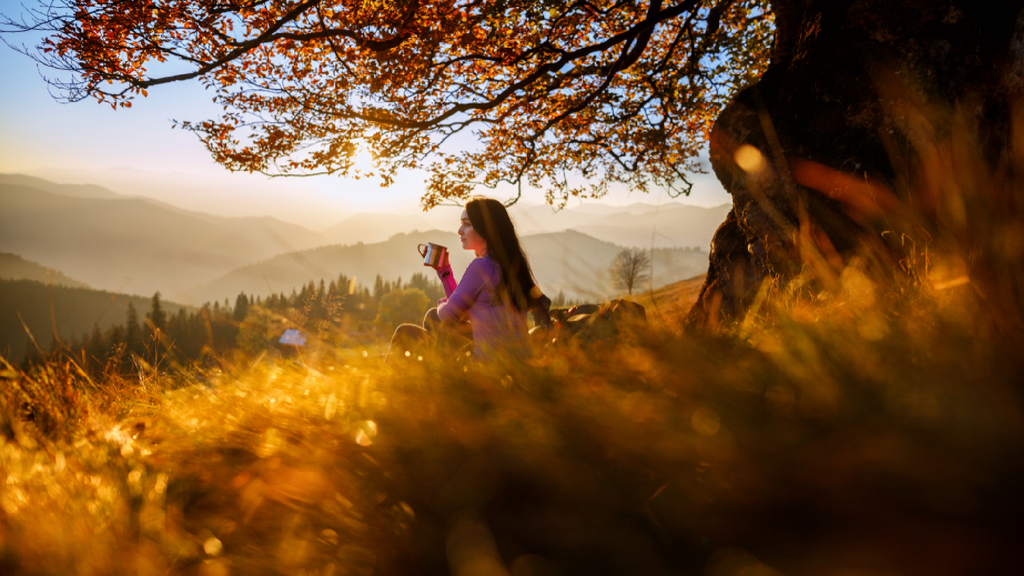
x: 470, y: 239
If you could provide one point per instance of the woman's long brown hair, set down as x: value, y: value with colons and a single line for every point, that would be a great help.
x: 491, y: 221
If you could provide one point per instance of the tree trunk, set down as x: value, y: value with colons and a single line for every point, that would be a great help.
x: 846, y: 81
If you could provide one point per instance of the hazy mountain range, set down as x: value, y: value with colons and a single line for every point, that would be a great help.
x: 135, y: 245
x: 14, y: 267
x: 320, y: 203
x: 639, y: 225
x: 138, y: 245
x: 571, y: 262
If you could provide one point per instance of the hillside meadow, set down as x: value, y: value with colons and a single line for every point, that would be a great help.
x: 865, y: 417
x: 858, y: 429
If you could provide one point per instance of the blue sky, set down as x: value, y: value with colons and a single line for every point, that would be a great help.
x: 135, y: 151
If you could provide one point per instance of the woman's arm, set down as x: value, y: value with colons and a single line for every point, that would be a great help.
x: 447, y: 277
x: 541, y: 308
x: 467, y: 292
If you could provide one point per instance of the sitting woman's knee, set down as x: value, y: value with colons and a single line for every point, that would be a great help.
x: 431, y: 320
x: 408, y: 339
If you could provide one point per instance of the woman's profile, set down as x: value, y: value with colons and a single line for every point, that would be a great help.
x: 493, y: 297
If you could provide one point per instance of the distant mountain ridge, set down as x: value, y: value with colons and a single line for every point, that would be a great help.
x: 102, y: 241
x: 14, y: 267
x: 578, y: 264
x: 75, y: 190
x: 370, y: 227
x: 638, y: 225
x: 674, y: 225
x: 570, y: 262
x: 392, y: 258
x: 139, y: 245
x: 103, y: 238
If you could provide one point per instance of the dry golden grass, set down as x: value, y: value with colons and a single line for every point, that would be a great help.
x: 856, y: 430
x: 850, y: 424
x: 668, y: 304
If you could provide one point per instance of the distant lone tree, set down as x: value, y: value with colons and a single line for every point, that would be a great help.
x: 630, y: 269
x: 818, y: 114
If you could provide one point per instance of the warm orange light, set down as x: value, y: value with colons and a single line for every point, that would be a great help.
x: 749, y: 159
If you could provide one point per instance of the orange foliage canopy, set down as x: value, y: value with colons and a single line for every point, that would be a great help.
x: 613, y: 91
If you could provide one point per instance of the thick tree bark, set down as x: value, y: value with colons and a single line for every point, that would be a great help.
x: 836, y: 95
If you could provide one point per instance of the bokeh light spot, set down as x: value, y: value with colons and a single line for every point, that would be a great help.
x: 749, y: 159
x: 213, y: 546
x: 366, y: 431
x: 706, y: 421
x: 270, y: 444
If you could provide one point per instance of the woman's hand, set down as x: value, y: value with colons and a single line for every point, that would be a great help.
x: 443, y: 263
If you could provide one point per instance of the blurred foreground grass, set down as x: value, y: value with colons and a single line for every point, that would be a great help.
x: 841, y: 432
x: 865, y: 418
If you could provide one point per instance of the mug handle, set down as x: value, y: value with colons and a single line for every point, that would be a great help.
x: 422, y: 249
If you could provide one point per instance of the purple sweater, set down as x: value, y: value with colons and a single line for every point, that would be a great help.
x: 496, y: 324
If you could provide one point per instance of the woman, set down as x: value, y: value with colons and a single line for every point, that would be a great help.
x: 495, y: 293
